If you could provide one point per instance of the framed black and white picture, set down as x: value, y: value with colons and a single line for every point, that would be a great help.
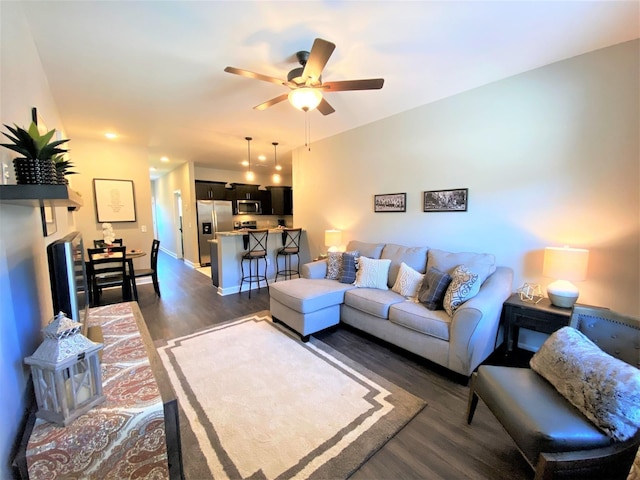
x: 454, y: 200
x: 390, y: 202
x: 115, y: 200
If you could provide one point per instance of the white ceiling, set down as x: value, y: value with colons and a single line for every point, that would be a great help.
x: 152, y: 71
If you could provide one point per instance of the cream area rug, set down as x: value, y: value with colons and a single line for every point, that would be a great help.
x: 260, y: 404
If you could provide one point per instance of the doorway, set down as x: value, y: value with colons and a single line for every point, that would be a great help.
x: 177, y: 201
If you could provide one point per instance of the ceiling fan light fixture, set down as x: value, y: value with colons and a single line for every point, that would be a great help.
x: 305, y: 98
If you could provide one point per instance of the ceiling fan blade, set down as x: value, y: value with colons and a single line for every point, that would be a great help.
x: 324, y: 107
x: 257, y: 76
x: 366, y: 84
x: 273, y: 101
x: 318, y: 58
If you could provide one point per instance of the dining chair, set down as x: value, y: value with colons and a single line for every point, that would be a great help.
x: 108, y: 271
x: 153, y: 270
x: 102, y: 244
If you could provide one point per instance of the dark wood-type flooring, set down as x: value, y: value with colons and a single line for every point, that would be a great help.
x: 436, y: 444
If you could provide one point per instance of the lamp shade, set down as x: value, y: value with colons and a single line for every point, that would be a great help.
x: 305, y: 98
x: 565, y: 263
x: 333, y: 238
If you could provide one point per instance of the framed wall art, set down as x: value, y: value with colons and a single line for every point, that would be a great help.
x: 454, y: 200
x: 390, y: 202
x: 115, y: 200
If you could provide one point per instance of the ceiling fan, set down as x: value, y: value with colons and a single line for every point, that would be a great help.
x: 306, y: 82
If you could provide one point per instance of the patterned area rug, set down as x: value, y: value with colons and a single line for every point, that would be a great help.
x: 260, y: 404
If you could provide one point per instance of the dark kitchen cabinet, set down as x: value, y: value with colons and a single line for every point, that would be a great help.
x: 246, y: 192
x: 281, y: 200
x: 213, y: 191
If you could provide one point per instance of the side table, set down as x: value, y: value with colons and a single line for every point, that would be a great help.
x: 540, y: 317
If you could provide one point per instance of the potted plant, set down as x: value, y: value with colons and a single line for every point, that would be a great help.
x: 36, y: 164
x: 62, y: 167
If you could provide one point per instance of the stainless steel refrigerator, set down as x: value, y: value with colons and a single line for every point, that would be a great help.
x: 213, y: 216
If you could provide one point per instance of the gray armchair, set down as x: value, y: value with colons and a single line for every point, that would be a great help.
x: 555, y: 438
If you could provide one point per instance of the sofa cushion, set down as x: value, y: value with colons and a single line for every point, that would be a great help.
x: 349, y: 267
x: 434, y: 287
x: 416, y: 317
x: 415, y: 257
x: 408, y: 281
x: 371, y: 250
x: 464, y: 285
x: 482, y: 264
x: 372, y: 301
x: 372, y: 273
x: 306, y: 295
x: 606, y: 390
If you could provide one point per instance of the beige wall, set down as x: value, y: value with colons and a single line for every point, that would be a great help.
x: 550, y: 158
x: 25, y: 293
x: 117, y: 161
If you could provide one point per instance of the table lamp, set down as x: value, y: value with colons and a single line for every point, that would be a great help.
x: 332, y: 239
x: 565, y: 265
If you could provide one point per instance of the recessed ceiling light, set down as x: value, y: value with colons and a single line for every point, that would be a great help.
x: 111, y: 135
x: 152, y: 169
x: 164, y: 159
x: 245, y: 163
x: 262, y: 157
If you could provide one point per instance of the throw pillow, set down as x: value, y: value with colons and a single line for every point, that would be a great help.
x: 334, y: 265
x: 348, y: 267
x: 606, y: 390
x: 372, y: 273
x: 408, y: 281
x: 433, y: 289
x: 464, y: 285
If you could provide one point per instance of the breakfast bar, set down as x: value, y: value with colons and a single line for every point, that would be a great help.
x: 228, y: 247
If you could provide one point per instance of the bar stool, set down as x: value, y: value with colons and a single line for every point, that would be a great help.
x: 256, y: 242
x: 290, y: 247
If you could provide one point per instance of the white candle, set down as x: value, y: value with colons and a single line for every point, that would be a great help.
x: 83, y: 393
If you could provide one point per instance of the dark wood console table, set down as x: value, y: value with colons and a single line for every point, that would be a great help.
x: 134, y: 434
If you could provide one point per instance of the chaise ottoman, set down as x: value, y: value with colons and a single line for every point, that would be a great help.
x: 307, y: 305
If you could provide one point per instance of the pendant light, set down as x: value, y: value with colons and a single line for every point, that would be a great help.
x: 249, y: 175
x: 276, y: 175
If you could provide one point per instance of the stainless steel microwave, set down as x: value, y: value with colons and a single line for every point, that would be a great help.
x: 250, y: 207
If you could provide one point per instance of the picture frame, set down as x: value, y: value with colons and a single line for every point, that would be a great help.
x: 115, y: 200
x: 451, y: 200
x: 390, y: 202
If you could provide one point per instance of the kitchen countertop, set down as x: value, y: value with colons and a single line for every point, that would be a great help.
x: 244, y: 231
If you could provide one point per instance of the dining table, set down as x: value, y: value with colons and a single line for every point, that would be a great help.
x: 131, y: 255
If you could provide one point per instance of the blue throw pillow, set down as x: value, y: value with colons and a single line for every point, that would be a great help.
x: 434, y: 288
x: 348, y: 267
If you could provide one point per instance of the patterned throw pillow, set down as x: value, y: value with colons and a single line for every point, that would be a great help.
x: 372, y: 273
x: 349, y: 267
x: 433, y: 289
x: 462, y: 288
x: 334, y: 265
x: 408, y: 281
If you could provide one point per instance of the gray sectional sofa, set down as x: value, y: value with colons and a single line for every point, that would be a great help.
x: 459, y: 342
